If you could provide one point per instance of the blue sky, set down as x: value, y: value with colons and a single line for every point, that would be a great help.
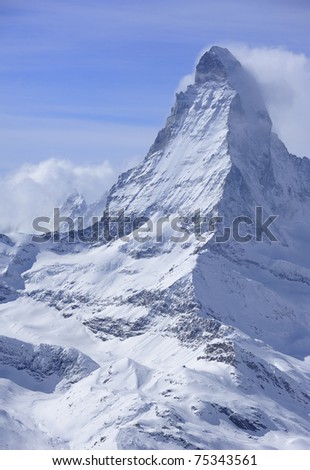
x: 94, y: 80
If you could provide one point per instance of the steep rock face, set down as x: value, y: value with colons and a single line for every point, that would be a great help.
x: 218, y: 126
x: 42, y: 367
x: 200, y: 343
x: 187, y: 165
x: 217, y: 153
x: 16, y: 257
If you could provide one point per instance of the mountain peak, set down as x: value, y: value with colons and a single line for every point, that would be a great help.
x: 220, y: 121
x: 217, y: 63
x: 219, y: 66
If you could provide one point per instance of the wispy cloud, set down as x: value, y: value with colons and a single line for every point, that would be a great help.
x: 34, y: 190
x: 284, y: 77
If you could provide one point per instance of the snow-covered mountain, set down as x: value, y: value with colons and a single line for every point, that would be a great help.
x: 176, y: 341
x: 75, y: 207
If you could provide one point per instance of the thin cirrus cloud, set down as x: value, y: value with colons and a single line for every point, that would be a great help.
x: 35, y: 138
x: 53, y: 35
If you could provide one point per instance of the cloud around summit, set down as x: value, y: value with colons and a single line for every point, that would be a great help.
x: 284, y: 78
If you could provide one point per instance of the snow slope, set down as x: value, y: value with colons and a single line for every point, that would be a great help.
x: 177, y: 344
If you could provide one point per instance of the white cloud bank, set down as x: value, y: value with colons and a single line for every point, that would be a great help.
x: 284, y: 78
x: 34, y: 190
